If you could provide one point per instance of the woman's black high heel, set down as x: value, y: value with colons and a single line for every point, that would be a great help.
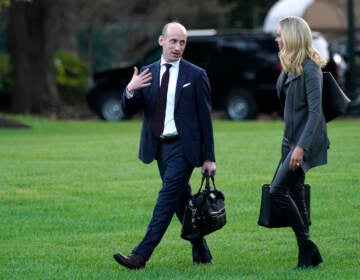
x: 309, y: 255
x: 317, y: 259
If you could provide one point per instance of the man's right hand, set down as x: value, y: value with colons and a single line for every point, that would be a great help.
x: 139, y: 80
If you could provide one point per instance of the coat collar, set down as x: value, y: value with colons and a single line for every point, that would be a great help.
x: 291, y: 77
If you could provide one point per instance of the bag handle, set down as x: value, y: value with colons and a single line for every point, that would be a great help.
x: 276, y: 171
x: 206, y: 177
x: 207, y: 187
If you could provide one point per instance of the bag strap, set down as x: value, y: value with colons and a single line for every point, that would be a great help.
x: 213, y: 182
x: 202, y: 182
x: 276, y: 171
x: 206, y: 177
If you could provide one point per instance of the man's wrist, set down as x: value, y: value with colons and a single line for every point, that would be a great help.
x: 129, y: 90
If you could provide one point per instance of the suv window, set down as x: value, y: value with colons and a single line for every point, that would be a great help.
x: 239, y: 55
x: 241, y: 44
x: 152, y: 55
x: 269, y: 45
x: 203, y: 54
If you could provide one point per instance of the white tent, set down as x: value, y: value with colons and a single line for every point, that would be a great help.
x: 284, y: 8
x: 321, y: 16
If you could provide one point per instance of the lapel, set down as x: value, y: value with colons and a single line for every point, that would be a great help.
x: 155, y: 84
x: 284, y: 80
x: 183, y: 73
x: 280, y: 83
x: 291, y: 77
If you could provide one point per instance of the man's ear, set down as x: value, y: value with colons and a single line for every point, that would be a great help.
x: 161, y: 40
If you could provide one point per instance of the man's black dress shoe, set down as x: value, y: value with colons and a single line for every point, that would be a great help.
x: 134, y: 261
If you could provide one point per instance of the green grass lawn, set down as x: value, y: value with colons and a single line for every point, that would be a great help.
x: 72, y: 193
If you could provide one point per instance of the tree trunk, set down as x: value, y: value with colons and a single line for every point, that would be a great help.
x: 66, y: 26
x: 31, y: 45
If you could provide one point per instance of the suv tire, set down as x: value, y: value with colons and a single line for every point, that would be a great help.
x: 110, y: 108
x: 240, y: 104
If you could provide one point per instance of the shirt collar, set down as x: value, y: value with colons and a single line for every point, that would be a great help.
x: 174, y: 64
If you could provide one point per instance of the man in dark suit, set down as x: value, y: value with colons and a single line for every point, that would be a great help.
x: 177, y: 132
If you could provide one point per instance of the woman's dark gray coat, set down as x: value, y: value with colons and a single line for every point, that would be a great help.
x: 305, y: 125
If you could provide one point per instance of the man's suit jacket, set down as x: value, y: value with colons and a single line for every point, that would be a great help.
x: 192, y: 113
x: 304, y: 120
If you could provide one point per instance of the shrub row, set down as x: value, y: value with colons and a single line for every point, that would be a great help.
x: 72, y: 76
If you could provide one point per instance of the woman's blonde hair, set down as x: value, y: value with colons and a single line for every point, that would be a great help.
x: 297, y: 45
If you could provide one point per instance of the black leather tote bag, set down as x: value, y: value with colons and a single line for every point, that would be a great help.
x: 204, y: 211
x: 269, y: 215
x: 334, y: 100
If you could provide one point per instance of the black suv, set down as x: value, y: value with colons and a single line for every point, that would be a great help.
x: 242, y: 69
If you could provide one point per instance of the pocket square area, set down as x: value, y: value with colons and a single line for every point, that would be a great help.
x: 187, y: 84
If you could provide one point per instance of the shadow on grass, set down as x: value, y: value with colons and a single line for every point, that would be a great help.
x: 6, y: 123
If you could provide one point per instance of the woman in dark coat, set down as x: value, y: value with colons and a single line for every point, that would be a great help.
x: 305, y: 140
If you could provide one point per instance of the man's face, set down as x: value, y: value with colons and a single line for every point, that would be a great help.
x: 173, y: 42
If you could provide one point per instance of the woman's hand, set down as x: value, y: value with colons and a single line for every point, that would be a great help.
x: 297, y: 157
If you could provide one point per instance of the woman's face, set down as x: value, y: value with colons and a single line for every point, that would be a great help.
x: 278, y: 38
